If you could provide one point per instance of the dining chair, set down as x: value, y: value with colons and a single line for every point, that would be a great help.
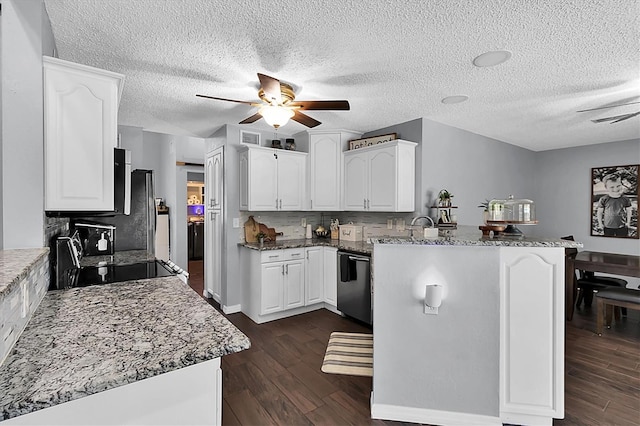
x: 588, y: 283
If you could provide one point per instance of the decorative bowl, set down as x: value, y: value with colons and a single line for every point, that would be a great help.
x: 323, y: 234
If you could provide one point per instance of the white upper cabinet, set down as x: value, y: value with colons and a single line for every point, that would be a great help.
x: 325, y: 169
x: 80, y: 132
x: 272, y: 179
x: 380, y: 177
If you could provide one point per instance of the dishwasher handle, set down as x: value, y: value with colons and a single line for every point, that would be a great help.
x: 360, y: 259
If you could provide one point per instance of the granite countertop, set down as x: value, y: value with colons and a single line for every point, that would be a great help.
x: 126, y: 257
x: 15, y: 264
x: 82, y: 341
x: 357, y: 247
x: 468, y: 236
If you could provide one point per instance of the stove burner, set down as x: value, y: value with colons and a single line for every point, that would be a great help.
x: 96, y: 275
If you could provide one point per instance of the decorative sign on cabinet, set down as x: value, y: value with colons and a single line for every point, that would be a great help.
x: 380, y: 177
x: 80, y: 133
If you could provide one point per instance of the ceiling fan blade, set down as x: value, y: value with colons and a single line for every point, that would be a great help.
x: 224, y: 99
x: 626, y: 118
x: 304, y: 119
x: 605, y: 107
x: 612, y: 118
x: 322, y: 105
x: 255, y: 117
x: 271, y: 88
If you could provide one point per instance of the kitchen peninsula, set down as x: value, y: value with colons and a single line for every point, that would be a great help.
x: 137, y: 352
x: 493, y: 353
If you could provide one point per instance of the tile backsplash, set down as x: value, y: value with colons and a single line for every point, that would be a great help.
x: 290, y: 223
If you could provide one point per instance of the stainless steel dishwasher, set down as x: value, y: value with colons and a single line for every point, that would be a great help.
x: 354, y: 286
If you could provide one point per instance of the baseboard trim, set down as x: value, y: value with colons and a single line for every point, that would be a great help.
x: 426, y: 416
x: 233, y: 309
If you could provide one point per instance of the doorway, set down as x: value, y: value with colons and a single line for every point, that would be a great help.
x: 195, y: 229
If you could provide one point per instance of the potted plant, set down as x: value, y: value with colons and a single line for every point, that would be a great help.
x: 485, y: 211
x: 444, y: 198
x: 260, y: 236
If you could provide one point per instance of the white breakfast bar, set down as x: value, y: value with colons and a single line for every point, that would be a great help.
x: 493, y: 354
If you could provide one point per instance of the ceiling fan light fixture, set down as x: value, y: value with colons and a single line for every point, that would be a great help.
x: 276, y: 116
x: 490, y: 59
x: 455, y: 99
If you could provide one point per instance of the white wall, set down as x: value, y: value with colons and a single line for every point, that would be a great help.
x: 26, y: 36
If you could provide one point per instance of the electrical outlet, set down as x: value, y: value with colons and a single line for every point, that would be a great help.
x: 303, y: 222
x: 389, y: 223
x: 236, y: 222
x: 428, y: 310
x: 400, y: 225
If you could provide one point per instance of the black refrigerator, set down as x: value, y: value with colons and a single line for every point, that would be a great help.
x: 195, y: 240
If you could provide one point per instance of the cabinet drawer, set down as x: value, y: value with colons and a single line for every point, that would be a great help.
x: 293, y: 254
x: 271, y: 256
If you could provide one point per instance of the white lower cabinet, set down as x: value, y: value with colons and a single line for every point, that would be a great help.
x: 281, y: 283
x: 330, y: 275
x: 314, y: 284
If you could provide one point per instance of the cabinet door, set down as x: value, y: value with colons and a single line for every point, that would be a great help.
x: 291, y: 181
x: 355, y: 182
x: 272, y: 297
x: 325, y: 171
x: 294, y: 284
x: 263, y: 180
x: 314, y: 282
x: 213, y: 228
x: 330, y: 277
x: 382, y: 180
x: 80, y: 132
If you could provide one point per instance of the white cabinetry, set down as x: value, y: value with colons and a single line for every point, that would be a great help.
x: 325, y: 168
x: 330, y: 276
x: 213, y: 225
x: 314, y: 284
x: 282, y: 283
x: 380, y: 177
x: 80, y: 132
x: 531, y: 335
x: 272, y: 179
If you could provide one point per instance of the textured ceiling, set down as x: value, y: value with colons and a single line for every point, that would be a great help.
x: 393, y: 60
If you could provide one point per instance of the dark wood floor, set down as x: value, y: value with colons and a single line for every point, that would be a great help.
x: 278, y: 380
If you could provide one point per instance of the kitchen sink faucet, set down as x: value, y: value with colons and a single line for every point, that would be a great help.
x: 415, y: 219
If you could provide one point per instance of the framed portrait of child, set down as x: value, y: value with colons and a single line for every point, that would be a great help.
x: 614, y: 201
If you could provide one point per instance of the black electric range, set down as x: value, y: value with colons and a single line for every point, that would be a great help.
x: 97, y: 275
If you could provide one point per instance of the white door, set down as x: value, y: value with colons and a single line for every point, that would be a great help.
x: 330, y: 276
x: 324, y: 172
x: 272, y: 297
x: 314, y: 281
x: 382, y: 180
x: 294, y: 284
x: 291, y: 181
x: 355, y: 182
x: 213, y: 225
x: 263, y: 180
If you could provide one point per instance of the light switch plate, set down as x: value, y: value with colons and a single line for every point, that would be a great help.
x: 389, y: 223
x: 400, y: 225
x: 303, y: 222
x: 236, y: 222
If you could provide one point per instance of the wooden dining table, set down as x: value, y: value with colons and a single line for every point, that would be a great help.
x: 610, y: 263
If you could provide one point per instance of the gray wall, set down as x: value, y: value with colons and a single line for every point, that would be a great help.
x: 563, y: 191
x: 26, y: 36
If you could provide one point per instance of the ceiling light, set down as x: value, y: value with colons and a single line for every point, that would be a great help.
x: 490, y: 59
x: 276, y: 116
x: 456, y: 99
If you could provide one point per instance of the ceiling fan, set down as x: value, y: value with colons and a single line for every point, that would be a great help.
x: 615, y: 118
x: 279, y: 105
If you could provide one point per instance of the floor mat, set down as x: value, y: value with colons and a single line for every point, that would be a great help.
x: 349, y: 353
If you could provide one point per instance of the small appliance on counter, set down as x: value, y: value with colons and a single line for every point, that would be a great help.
x: 96, y: 238
x: 512, y: 212
x: 351, y: 232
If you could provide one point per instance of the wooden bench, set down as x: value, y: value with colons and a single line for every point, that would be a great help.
x: 614, y: 297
